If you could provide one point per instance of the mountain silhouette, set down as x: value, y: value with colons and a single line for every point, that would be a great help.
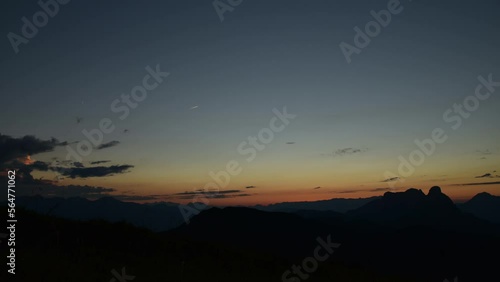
x: 156, y: 217
x: 336, y: 205
x: 413, y: 207
x: 484, y: 206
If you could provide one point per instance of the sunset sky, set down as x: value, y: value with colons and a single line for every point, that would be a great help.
x: 353, y: 120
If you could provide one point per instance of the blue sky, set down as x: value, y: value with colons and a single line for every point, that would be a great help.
x: 264, y: 55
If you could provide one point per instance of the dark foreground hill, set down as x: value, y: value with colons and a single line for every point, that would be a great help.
x: 55, y: 250
x: 406, y: 236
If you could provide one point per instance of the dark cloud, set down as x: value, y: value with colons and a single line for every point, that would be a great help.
x: 364, y: 190
x: 250, y: 187
x: 315, y: 188
x: 31, y: 187
x: 488, y: 175
x: 13, y: 148
x: 348, y: 191
x: 478, y: 183
x: 199, y: 192
x: 290, y: 143
x: 39, y: 165
x: 211, y: 194
x: 97, y: 171
x: 391, y: 179
x: 345, y: 152
x: 76, y: 169
x: 108, y: 145
x: 99, y: 162
x: 23, y: 172
x: 14, y: 154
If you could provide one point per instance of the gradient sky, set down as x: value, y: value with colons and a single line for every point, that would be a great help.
x: 264, y: 55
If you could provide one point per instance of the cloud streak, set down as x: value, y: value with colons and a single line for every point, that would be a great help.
x: 97, y: 171
x: 488, y: 175
x: 99, y: 162
x: 345, y: 152
x: 478, y: 183
x: 364, y: 190
x: 108, y: 145
x: 222, y: 194
x: 390, y: 179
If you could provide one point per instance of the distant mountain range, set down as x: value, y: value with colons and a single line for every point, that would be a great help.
x: 156, y: 217
x: 483, y: 205
x: 336, y: 205
x: 164, y: 216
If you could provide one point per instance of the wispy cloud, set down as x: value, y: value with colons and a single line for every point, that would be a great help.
x: 97, y: 171
x: 364, y: 190
x: 346, y: 152
x: 390, y: 179
x: 488, y: 175
x: 108, y: 145
x: 99, y: 162
x: 204, y: 192
x: 211, y: 194
x: 478, y: 183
